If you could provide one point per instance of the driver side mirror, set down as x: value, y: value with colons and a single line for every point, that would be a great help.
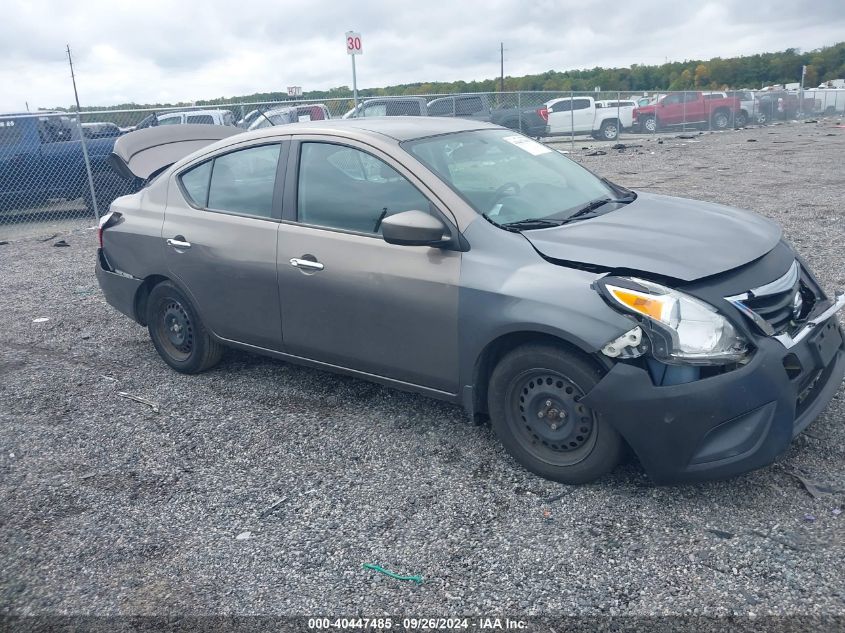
x: 413, y: 228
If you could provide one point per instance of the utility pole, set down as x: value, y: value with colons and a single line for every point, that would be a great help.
x: 82, y: 137
x: 501, y: 66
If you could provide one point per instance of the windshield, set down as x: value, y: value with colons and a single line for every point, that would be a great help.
x: 508, y: 177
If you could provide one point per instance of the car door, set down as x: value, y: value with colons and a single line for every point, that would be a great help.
x: 560, y: 116
x: 670, y: 110
x: 348, y: 298
x: 220, y: 229
x: 583, y: 115
x: 20, y: 161
x: 471, y: 107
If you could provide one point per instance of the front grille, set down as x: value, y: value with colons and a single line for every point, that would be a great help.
x: 778, y: 306
x: 777, y: 309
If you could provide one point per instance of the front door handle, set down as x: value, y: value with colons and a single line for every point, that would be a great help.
x: 178, y: 242
x: 305, y: 264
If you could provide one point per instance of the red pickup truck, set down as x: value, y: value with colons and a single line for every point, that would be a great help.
x: 679, y: 108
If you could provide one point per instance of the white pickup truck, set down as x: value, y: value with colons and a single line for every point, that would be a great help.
x: 584, y: 115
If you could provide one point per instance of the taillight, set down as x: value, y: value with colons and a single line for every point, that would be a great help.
x: 109, y: 219
x: 544, y: 113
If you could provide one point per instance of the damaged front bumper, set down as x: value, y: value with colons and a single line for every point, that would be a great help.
x: 731, y: 423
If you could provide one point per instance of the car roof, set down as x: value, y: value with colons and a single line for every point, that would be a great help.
x: 400, y: 128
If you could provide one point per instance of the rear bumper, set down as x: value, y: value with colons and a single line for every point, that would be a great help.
x: 728, y: 424
x: 119, y: 289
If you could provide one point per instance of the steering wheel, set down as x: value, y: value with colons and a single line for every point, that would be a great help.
x: 508, y: 189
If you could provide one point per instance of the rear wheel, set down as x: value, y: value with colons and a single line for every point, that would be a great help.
x: 534, y: 399
x: 609, y: 130
x: 177, y: 332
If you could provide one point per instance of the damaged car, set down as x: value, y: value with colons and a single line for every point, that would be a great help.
x: 467, y: 262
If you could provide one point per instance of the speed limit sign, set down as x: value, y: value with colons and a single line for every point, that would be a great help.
x: 353, y: 43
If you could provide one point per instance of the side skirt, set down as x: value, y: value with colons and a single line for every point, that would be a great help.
x: 337, y: 369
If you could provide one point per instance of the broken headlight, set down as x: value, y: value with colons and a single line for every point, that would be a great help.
x: 681, y: 328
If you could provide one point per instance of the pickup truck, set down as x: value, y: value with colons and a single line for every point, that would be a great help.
x: 584, y: 115
x: 688, y: 108
x: 531, y: 121
x: 41, y: 159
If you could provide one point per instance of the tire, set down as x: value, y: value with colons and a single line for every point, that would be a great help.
x: 741, y: 120
x: 650, y: 124
x: 568, y: 443
x: 721, y: 120
x: 762, y: 118
x: 177, y: 332
x: 609, y: 130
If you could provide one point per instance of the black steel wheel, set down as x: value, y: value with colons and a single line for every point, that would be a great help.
x: 177, y: 331
x: 534, y: 399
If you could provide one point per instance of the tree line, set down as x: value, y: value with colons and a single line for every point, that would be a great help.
x: 751, y: 71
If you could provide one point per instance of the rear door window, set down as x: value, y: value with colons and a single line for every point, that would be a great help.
x: 205, y: 119
x: 240, y: 182
x: 580, y: 104
x: 562, y: 106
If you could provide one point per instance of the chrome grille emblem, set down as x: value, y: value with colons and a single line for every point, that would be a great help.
x: 797, y: 305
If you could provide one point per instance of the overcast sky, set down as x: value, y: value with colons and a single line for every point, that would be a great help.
x: 153, y: 51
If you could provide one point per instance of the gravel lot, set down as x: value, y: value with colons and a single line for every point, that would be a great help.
x: 261, y: 487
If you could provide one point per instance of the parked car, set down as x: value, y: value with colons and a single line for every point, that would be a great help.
x: 747, y: 106
x: 290, y: 114
x: 470, y: 263
x: 389, y: 106
x: 779, y: 105
x: 583, y: 115
x: 41, y: 159
x: 532, y: 121
x: 195, y: 117
x: 687, y: 108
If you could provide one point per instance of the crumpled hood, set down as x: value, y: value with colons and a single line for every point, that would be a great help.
x: 672, y: 237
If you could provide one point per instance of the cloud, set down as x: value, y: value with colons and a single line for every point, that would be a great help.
x: 159, y: 51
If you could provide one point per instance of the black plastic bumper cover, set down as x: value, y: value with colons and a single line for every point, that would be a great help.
x: 719, y: 426
x: 118, y: 289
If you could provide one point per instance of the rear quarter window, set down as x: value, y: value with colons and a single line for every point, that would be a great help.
x: 195, y: 184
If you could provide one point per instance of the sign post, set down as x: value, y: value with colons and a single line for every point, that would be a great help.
x: 353, y: 48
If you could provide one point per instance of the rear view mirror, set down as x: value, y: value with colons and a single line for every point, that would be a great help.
x: 413, y: 228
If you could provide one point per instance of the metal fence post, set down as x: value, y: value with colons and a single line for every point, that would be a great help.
x: 571, y: 123
x: 87, y: 166
x: 618, y: 115
x: 519, y: 108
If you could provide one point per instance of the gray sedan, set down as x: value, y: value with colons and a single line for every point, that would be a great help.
x: 472, y: 264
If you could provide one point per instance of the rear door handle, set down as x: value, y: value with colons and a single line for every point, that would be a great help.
x: 178, y: 242
x: 305, y: 264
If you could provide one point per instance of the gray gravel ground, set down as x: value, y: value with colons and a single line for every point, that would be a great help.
x: 108, y: 506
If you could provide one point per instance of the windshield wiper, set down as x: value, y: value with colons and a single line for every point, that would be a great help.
x: 532, y: 223
x: 626, y: 194
x: 587, y: 209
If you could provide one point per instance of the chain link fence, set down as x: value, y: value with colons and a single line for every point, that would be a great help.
x: 55, y: 173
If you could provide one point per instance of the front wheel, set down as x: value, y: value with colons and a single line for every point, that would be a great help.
x: 534, y: 400
x: 721, y: 120
x: 650, y: 124
x: 741, y: 119
x: 177, y: 332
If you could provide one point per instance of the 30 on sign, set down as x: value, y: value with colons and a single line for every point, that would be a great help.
x: 353, y: 43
